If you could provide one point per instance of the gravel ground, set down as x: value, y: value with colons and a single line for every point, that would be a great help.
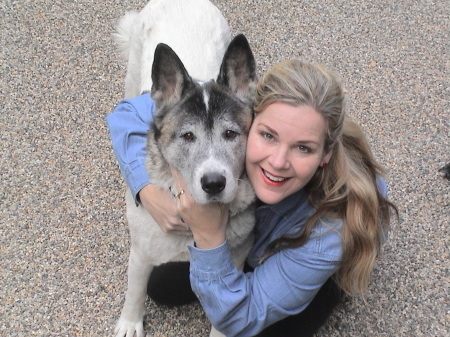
x: 64, y: 239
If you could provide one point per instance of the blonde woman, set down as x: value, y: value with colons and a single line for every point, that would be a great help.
x: 321, y: 217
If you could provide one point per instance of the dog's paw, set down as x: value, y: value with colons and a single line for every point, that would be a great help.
x: 126, y: 328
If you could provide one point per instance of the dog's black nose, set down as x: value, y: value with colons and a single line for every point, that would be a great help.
x: 213, y: 183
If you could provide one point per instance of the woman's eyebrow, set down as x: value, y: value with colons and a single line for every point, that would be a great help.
x: 269, y: 129
x: 299, y: 142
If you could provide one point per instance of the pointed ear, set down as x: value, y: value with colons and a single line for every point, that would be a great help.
x: 238, y: 69
x: 170, y: 78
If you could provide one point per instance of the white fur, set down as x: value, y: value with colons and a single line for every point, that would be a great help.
x: 210, y: 165
x: 194, y: 29
x: 206, y: 99
x: 199, y: 34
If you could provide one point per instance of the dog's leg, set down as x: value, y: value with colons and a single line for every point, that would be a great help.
x: 131, y: 319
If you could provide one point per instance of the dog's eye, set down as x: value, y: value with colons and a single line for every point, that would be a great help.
x: 230, y: 134
x: 189, y: 136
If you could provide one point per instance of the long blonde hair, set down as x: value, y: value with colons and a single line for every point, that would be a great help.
x: 347, y: 187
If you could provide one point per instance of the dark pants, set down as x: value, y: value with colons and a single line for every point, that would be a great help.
x: 169, y: 285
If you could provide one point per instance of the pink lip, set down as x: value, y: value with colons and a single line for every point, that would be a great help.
x: 270, y: 182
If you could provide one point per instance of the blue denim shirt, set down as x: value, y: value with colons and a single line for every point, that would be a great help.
x: 237, y: 303
x: 241, y: 304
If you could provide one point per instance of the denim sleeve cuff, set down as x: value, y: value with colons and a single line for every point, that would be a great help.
x: 211, y: 263
x: 137, y: 177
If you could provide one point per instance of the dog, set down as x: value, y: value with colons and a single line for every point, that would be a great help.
x: 175, y: 50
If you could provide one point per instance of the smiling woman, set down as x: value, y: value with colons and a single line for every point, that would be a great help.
x: 285, y: 147
x: 321, y: 219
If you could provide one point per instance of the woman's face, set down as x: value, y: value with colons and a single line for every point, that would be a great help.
x: 284, y: 149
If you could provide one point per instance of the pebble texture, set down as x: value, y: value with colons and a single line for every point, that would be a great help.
x: 64, y: 238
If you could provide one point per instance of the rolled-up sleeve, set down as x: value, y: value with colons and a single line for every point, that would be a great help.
x: 128, y: 125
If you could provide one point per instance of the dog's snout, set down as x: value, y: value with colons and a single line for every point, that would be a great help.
x: 213, y: 183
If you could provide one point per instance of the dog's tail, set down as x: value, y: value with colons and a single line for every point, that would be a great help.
x: 124, y: 31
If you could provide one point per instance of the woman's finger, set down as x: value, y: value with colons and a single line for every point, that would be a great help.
x: 180, y: 184
x: 183, y: 198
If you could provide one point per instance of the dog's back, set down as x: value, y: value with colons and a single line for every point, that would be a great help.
x: 200, y: 47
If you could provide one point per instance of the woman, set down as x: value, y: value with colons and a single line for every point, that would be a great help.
x: 321, y: 218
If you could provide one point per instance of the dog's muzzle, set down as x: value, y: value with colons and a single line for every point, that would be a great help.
x: 213, y: 183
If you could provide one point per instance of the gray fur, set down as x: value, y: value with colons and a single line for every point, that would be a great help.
x: 200, y: 129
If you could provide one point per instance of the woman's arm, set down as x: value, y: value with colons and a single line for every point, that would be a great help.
x: 129, y: 124
x: 241, y: 304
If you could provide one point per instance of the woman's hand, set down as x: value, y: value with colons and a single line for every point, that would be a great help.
x: 207, y: 222
x: 162, y: 207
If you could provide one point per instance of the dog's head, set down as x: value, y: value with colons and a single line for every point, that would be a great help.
x: 201, y: 128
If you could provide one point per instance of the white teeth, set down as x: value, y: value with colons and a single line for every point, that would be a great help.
x: 271, y: 177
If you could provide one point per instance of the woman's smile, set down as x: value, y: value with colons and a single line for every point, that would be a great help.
x: 284, y: 149
x: 272, y: 179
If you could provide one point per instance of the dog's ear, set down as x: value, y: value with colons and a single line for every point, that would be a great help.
x: 169, y: 76
x: 238, y: 69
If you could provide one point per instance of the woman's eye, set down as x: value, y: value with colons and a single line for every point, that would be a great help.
x: 230, y: 134
x: 267, y: 136
x: 304, y: 149
x: 189, y: 136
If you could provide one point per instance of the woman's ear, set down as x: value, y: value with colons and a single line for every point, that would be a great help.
x: 326, y: 158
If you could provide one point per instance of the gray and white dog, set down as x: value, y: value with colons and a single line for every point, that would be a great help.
x: 199, y: 128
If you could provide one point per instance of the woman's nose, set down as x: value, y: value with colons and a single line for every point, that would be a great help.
x: 279, y: 158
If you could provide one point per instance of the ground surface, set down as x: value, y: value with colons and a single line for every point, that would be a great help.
x: 64, y: 240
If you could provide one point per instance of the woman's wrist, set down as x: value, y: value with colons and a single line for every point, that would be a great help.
x: 208, y: 240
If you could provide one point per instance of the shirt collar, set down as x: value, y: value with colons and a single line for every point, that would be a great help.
x: 288, y: 204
